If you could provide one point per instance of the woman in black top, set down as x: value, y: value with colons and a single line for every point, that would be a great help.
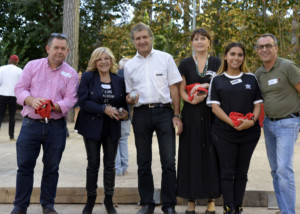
x: 100, y: 94
x: 234, y: 89
x: 197, y: 176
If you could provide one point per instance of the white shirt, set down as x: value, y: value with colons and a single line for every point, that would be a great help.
x: 151, y: 77
x: 9, y: 76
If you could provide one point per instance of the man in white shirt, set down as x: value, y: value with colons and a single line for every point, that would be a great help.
x: 9, y: 76
x: 153, y: 75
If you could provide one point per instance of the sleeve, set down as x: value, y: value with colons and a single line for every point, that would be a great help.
x: 22, y: 88
x: 128, y: 83
x: 257, y: 94
x: 213, y: 95
x: 84, y: 100
x: 293, y: 72
x: 173, y: 72
x: 70, y: 96
x: 124, y: 103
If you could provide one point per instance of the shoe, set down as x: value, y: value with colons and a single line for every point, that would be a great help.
x: 228, y: 209
x: 18, y: 212
x: 109, y: 206
x: 191, y: 202
x: 210, y: 212
x: 12, y: 139
x: 278, y: 212
x: 146, y: 209
x: 169, y: 210
x: 49, y: 210
x: 238, y: 210
x: 88, y: 208
x: 190, y: 212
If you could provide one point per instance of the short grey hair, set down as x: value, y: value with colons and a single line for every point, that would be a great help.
x: 122, y: 62
x: 269, y: 35
x: 140, y: 27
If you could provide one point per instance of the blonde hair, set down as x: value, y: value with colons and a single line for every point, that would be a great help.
x: 96, y: 56
x: 224, y: 65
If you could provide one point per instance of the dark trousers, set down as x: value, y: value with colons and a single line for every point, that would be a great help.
x: 145, y: 122
x: 34, y: 134
x: 92, y: 147
x: 234, y: 161
x: 12, y: 106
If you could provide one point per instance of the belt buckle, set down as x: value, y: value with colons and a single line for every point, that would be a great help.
x: 151, y: 105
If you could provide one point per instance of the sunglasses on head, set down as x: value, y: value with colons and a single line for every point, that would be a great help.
x: 58, y: 35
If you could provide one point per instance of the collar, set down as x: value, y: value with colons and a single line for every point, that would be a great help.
x: 55, y: 69
x: 233, y: 77
x: 276, y: 64
x: 150, y: 54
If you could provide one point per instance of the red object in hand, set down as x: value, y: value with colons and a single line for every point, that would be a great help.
x: 44, y: 110
x: 234, y: 116
x: 188, y: 88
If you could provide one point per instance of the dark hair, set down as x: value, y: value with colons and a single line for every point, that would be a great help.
x: 140, y: 27
x: 203, y: 32
x: 224, y: 65
x: 57, y: 36
x: 269, y: 35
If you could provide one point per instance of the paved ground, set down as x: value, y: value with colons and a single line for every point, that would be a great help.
x: 73, y: 165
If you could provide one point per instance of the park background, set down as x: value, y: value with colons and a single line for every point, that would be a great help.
x: 25, y: 26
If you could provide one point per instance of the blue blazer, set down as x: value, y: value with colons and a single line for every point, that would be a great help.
x: 90, y: 119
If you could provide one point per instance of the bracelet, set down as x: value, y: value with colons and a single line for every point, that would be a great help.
x: 177, y: 115
x: 252, y: 118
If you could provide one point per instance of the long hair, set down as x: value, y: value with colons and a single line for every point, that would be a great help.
x: 224, y: 65
x: 96, y: 56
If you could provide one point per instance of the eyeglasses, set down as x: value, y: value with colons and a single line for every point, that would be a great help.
x: 267, y: 46
x: 58, y: 35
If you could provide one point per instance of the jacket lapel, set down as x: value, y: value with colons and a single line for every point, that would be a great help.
x: 97, y: 89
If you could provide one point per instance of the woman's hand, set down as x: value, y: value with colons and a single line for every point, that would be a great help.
x: 245, y: 124
x: 198, y: 98
x: 204, y: 85
x: 123, y: 115
x: 112, y: 112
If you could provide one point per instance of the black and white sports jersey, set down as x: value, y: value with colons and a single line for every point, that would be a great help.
x: 234, y: 94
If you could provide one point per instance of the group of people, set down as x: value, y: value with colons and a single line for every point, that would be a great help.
x: 218, y: 128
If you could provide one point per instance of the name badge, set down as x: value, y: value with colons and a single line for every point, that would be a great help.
x: 66, y: 74
x: 236, y: 81
x: 159, y: 75
x: 106, y: 86
x: 272, y: 81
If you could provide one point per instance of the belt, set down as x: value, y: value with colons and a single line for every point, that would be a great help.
x: 43, y: 120
x: 155, y: 105
x: 289, y: 116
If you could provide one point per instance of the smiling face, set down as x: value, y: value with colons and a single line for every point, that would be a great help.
x: 104, y: 63
x: 266, y: 49
x: 235, y: 58
x: 57, y: 52
x: 142, y: 42
x: 200, y: 43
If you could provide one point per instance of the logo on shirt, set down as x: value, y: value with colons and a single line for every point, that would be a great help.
x: 247, y: 86
x: 66, y: 74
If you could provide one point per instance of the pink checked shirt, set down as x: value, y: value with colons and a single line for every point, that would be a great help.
x: 38, y: 79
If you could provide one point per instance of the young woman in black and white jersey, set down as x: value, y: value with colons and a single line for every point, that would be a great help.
x: 234, y: 89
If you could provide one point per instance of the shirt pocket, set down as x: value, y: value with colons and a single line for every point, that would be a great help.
x: 160, y: 79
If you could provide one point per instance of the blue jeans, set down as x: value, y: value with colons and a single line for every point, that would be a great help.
x: 34, y: 134
x: 280, y: 138
x: 122, y: 153
x: 145, y: 122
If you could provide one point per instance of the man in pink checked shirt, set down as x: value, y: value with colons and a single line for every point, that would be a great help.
x: 43, y: 79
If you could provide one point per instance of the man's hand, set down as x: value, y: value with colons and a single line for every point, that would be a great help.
x: 35, y: 102
x: 177, y: 125
x: 131, y: 100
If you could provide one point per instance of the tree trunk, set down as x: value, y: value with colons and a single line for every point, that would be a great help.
x: 71, y: 30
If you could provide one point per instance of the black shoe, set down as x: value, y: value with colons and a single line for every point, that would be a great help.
x: 169, y: 210
x: 49, y: 210
x: 146, y: 209
x: 238, y: 210
x: 18, y: 212
x: 228, y: 210
x: 88, y: 208
x: 210, y: 212
x: 190, y: 212
x: 109, y: 206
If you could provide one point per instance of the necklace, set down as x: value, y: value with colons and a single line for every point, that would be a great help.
x: 205, y: 67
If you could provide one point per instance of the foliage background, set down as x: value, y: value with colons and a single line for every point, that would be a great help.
x: 26, y: 24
